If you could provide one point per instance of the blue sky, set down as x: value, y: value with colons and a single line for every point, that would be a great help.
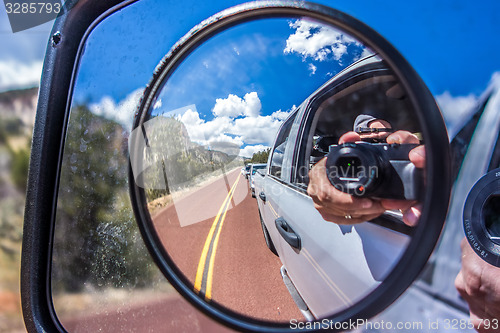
x: 452, y: 44
x: 241, y: 84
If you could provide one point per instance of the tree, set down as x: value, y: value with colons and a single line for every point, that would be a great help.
x: 96, y: 238
x: 20, y: 161
x: 261, y: 156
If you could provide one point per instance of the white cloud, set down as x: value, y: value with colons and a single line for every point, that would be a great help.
x: 158, y: 104
x: 121, y: 112
x: 237, y: 121
x: 201, y: 131
x: 248, y: 151
x: 366, y: 52
x: 282, y: 115
x: 234, y: 106
x: 455, y: 109
x: 261, y: 129
x: 317, y: 41
x: 495, y: 80
x: 313, y: 69
x: 190, y: 118
x: 15, y: 74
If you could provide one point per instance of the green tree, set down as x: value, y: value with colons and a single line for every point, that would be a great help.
x: 96, y: 238
x: 260, y: 156
x: 20, y: 161
x: 3, y: 135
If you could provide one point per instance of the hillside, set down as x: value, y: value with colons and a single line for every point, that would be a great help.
x: 17, y: 115
x: 19, y: 104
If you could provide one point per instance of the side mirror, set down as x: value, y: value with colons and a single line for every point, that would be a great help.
x: 332, y: 272
x: 166, y: 164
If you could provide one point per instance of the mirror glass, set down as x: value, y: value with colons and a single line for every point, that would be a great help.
x: 236, y: 145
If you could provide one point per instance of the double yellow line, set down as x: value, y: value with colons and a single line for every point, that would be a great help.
x: 204, y: 273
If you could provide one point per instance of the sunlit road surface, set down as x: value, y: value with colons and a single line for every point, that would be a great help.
x: 224, y: 255
x: 170, y: 314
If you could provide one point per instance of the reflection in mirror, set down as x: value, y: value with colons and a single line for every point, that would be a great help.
x: 280, y: 94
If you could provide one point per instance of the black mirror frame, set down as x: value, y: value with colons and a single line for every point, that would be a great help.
x: 437, y: 164
x: 60, y: 67
x: 69, y: 33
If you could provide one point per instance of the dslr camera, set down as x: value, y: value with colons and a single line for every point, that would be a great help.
x: 378, y: 170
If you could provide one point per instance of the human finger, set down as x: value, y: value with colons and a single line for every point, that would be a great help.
x: 401, y: 137
x: 417, y: 156
x: 392, y: 204
x: 412, y: 215
x: 349, y: 137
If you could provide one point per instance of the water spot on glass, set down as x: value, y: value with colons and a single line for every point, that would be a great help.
x: 73, y: 159
x: 83, y: 145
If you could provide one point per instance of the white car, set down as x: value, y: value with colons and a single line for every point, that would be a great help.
x: 245, y: 171
x: 252, y: 174
x: 329, y: 266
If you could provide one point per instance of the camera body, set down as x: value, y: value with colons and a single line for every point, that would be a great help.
x: 378, y: 170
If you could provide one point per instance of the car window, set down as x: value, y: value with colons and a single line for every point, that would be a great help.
x: 460, y: 143
x: 257, y: 168
x: 280, y: 146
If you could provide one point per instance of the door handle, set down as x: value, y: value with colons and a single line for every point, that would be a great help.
x: 288, y: 234
x: 262, y: 196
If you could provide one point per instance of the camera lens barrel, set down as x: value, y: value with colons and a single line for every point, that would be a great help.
x: 353, y: 168
x: 481, y: 217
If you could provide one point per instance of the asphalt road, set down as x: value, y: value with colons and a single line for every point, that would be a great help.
x: 170, y: 314
x: 214, y: 236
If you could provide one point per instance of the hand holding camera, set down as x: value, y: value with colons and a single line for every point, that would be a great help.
x: 351, y: 204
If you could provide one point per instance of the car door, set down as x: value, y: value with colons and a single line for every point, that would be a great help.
x: 336, y: 265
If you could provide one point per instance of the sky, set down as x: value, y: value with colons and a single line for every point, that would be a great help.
x: 452, y: 44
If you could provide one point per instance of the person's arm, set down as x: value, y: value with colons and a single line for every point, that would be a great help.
x: 478, y: 283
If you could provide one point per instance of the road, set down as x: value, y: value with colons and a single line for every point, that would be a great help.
x: 214, y: 236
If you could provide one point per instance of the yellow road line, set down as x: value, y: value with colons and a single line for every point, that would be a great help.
x: 208, y: 293
x: 206, y: 247
x: 272, y: 209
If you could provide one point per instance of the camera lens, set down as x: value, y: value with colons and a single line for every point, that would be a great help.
x: 350, y: 168
x: 353, y: 168
x: 482, y: 217
x: 491, y: 216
